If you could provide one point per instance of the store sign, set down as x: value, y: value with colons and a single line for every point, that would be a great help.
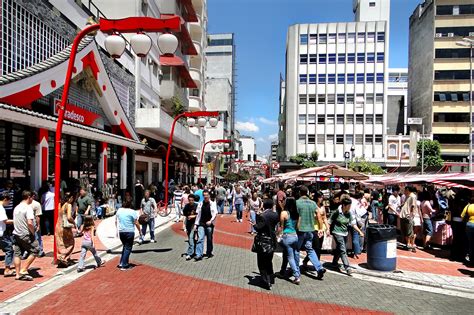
x: 77, y: 114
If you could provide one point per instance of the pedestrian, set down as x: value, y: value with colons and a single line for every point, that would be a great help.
x: 47, y: 201
x: 255, y: 204
x: 265, y: 242
x: 321, y: 227
x: 230, y: 197
x: 11, y: 192
x: 407, y: 215
x: 205, y: 218
x: 280, y: 197
x: 199, y: 193
x: 291, y: 253
x: 360, y: 214
x: 189, y: 212
x: 88, y: 244
x: 126, y: 222
x: 220, y: 197
x: 38, y: 213
x: 24, y: 234
x: 177, y: 201
x: 85, y: 204
x: 394, y: 202
x: 63, y: 231
x: 307, y: 211
x: 148, y: 208
x: 467, y: 215
x: 139, y: 193
x: 6, y: 239
x: 238, y: 202
x: 184, y: 202
x: 339, y: 222
x: 427, y: 212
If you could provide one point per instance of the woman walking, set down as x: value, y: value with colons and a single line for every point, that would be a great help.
x: 255, y: 204
x: 468, y: 215
x: 127, y: 221
x: 64, y: 235
x: 238, y: 202
x: 321, y: 227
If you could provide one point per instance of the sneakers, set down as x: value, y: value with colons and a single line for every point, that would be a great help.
x: 280, y: 275
x: 349, y: 271
x: 296, y: 281
x: 80, y: 270
x: 152, y: 241
x: 125, y: 268
x: 198, y: 258
x: 321, y: 273
x: 210, y: 256
x: 140, y: 242
x: 188, y: 257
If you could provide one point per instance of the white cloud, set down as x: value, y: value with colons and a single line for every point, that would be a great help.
x: 273, y: 137
x: 266, y: 121
x: 246, y: 126
x: 260, y: 139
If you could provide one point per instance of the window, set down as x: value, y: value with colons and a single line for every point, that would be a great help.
x: 302, y: 139
x: 349, y: 119
x: 313, y: 58
x: 451, y: 74
x: 380, y: 37
x: 372, y: 4
x: 341, y: 78
x: 329, y: 138
x: 332, y: 38
x: 313, y: 38
x: 369, y: 139
x: 302, y: 119
x: 340, y: 119
x: 454, y: 97
x: 351, y: 57
x: 359, y: 139
x: 350, y: 77
x: 454, y: 31
x: 360, y: 78
x: 322, y: 58
x: 322, y: 78
x: 320, y: 139
x: 225, y: 42
x: 312, y: 79
x: 332, y: 58
x: 379, y: 119
x: 323, y: 38
x: 380, y: 57
x: 304, y: 59
x: 331, y: 99
x: 369, y: 119
x: 370, y: 78
x: 406, y: 149
x: 351, y: 37
x: 378, y: 139
x: 330, y: 119
x: 370, y: 57
x: 360, y: 57
x: 350, y: 99
x: 349, y: 138
x: 452, y: 53
x: 371, y: 37
x: 359, y: 119
x: 321, y: 119
x: 380, y: 77
x: 451, y: 96
x: 360, y: 37
x: 360, y: 99
x: 340, y: 98
x: 219, y: 53
x: 339, y: 139
x: 303, y: 78
x: 379, y: 98
x: 369, y: 98
x: 341, y: 38
x: 303, y: 99
x: 451, y: 117
x: 311, y: 119
x: 312, y: 99
x: 392, y: 150
x: 341, y: 58
x: 303, y: 39
x: 331, y: 78
x: 455, y: 9
x: 321, y: 98
x: 311, y: 139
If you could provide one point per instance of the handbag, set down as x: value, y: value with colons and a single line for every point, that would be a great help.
x: 263, y: 244
x: 143, y: 218
x: 66, y: 224
x: 327, y: 243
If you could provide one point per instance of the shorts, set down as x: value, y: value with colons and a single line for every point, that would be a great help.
x: 26, y: 244
x: 406, y: 227
x: 427, y: 227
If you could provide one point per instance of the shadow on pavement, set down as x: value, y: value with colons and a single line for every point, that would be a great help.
x: 256, y: 281
x: 139, y: 251
x: 467, y: 272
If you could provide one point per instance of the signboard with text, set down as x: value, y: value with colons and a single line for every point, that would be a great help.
x: 78, y: 115
x: 415, y: 121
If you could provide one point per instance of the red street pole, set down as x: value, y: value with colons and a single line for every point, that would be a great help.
x: 202, y: 153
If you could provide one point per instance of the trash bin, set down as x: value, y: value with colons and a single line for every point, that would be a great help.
x: 382, y: 247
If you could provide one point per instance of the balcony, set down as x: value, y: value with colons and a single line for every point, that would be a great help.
x: 170, y: 89
x: 198, y: 47
x: 451, y: 149
x: 158, y: 122
x: 196, y: 75
x: 196, y: 30
x: 195, y: 103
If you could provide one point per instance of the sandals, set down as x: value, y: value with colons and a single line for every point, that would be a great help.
x: 24, y: 277
x: 9, y: 274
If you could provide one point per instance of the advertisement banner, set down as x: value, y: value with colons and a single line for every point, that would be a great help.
x: 78, y: 115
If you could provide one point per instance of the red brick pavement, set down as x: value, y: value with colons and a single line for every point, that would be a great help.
x: 231, y: 233
x: 155, y: 291
x: 42, y: 269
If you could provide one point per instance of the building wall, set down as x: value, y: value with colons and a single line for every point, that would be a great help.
x: 248, y: 147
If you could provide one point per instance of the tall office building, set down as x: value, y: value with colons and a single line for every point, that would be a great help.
x: 336, y: 85
x: 438, y: 85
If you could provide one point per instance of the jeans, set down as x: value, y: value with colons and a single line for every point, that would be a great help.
x: 100, y: 211
x: 6, y: 244
x: 48, y: 219
x: 127, y: 241
x: 470, y: 238
x: 374, y: 210
x: 317, y: 245
x: 40, y: 240
x: 340, y: 250
x: 191, y: 244
x: 392, y: 219
x: 151, y: 224
x: 253, y: 219
x: 220, y: 206
x: 88, y: 246
x: 238, y: 208
x: 79, y: 221
x: 230, y: 207
x: 356, y: 241
x: 206, y: 231
x: 291, y: 254
x: 305, y: 242
x: 177, y: 206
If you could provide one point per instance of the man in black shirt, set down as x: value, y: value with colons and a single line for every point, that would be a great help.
x: 189, y: 211
x: 206, y: 215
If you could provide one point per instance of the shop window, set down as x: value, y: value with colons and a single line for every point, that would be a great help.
x: 392, y: 150
x: 406, y: 149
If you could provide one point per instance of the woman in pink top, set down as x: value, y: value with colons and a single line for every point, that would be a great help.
x: 426, y: 211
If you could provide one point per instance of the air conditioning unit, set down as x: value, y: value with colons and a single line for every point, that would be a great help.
x: 438, y: 35
x: 450, y: 34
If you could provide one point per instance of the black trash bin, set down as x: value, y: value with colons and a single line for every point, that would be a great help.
x: 382, y: 247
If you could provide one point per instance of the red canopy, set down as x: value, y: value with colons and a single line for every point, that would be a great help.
x: 175, y: 61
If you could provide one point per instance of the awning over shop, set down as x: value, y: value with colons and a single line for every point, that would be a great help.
x: 309, y: 174
x: 183, y: 72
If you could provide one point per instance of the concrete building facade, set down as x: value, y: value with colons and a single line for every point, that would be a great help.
x: 249, y: 148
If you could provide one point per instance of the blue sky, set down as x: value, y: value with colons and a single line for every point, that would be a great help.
x: 260, y: 28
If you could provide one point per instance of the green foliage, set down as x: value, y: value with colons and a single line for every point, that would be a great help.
x: 306, y: 160
x: 366, y: 167
x: 432, y: 152
x: 235, y: 177
x: 178, y: 106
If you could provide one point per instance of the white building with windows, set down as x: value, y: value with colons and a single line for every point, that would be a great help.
x: 336, y: 86
x: 249, y: 148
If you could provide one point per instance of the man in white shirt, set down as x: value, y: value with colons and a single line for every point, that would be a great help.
x: 38, y: 214
x: 6, y: 242
x: 47, y: 201
x: 360, y: 214
x: 24, y: 233
x: 394, y: 203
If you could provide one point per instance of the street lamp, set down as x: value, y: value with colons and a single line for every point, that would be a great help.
x: 213, y: 146
x: 467, y: 42
x: 115, y: 45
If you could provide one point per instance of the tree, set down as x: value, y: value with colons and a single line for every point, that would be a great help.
x: 432, y: 153
x: 178, y: 107
x: 366, y: 167
x: 306, y: 160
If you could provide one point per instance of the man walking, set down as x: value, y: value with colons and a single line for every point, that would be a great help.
x: 307, y: 211
x: 394, y: 203
x: 38, y: 213
x: 206, y: 215
x: 84, y: 205
x: 6, y: 240
x: 189, y: 212
x: 220, y: 197
x: 24, y: 233
x: 149, y: 208
x: 47, y: 201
